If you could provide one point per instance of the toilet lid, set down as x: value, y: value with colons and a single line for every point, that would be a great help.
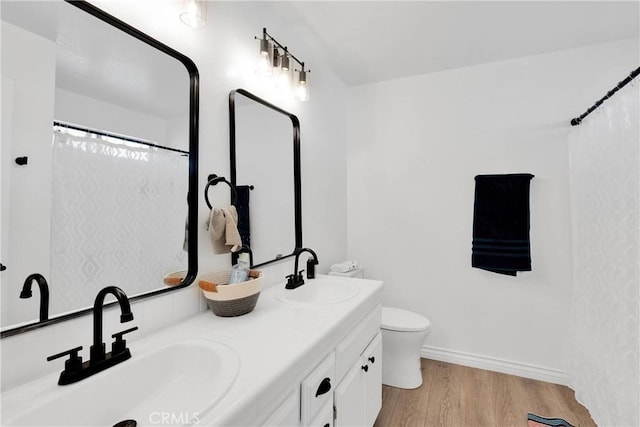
x: 396, y: 319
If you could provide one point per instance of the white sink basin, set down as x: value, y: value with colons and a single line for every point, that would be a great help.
x: 320, y: 291
x: 173, y: 385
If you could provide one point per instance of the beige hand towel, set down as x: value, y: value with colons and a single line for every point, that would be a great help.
x: 223, y: 230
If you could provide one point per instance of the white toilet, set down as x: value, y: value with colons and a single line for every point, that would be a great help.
x: 403, y: 334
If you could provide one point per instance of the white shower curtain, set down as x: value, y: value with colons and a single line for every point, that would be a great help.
x: 602, y: 348
x: 117, y: 216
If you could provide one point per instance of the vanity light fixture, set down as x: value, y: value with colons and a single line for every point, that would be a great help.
x: 274, y: 61
x: 194, y: 13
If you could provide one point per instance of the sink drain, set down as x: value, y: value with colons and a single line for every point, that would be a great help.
x: 126, y: 423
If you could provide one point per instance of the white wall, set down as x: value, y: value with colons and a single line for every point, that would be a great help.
x: 224, y: 52
x: 415, y: 145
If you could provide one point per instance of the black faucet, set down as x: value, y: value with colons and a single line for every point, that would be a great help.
x: 99, y: 360
x: 44, y: 293
x: 97, y: 350
x: 295, y: 280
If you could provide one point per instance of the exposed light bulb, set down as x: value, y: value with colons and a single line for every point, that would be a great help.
x: 194, y: 13
x: 302, y: 92
x: 264, y: 68
x: 284, y: 62
x: 284, y: 79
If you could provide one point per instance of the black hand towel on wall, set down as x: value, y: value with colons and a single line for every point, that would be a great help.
x: 242, y: 206
x: 501, y: 223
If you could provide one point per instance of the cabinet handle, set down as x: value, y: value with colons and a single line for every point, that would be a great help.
x: 22, y: 160
x: 372, y: 360
x: 365, y: 368
x: 324, y: 387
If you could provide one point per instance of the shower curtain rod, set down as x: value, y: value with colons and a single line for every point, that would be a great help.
x: 113, y: 135
x: 576, y: 121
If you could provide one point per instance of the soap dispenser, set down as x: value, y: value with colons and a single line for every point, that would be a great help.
x: 240, y: 271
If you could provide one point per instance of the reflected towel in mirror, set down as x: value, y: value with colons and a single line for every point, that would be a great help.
x: 223, y: 230
x: 242, y: 206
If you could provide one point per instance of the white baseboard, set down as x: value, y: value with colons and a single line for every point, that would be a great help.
x: 494, y: 364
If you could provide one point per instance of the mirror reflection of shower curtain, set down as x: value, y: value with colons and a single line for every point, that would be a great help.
x: 603, y: 339
x: 115, y: 220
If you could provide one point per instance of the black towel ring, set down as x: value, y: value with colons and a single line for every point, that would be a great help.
x: 213, y: 179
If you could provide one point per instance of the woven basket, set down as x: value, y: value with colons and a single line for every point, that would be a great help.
x: 175, y: 278
x: 229, y: 300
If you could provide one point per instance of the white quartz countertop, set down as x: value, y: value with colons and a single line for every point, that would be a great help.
x: 277, y: 344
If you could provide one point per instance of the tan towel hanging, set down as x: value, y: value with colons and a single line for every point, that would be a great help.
x: 223, y: 230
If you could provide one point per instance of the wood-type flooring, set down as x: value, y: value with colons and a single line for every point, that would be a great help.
x: 459, y: 396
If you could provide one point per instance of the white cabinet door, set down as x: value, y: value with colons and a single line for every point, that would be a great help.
x: 372, y: 358
x: 358, y: 398
x: 349, y: 398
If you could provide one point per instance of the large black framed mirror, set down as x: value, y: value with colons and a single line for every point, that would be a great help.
x: 265, y: 156
x: 99, y: 161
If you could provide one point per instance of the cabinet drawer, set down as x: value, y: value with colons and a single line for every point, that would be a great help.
x: 350, y: 348
x: 324, y: 417
x: 317, y: 389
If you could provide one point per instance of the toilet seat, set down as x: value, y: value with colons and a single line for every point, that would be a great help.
x: 396, y: 319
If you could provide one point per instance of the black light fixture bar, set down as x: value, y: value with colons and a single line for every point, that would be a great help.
x: 269, y: 37
x: 576, y: 121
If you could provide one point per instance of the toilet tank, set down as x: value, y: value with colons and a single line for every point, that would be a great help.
x: 358, y: 272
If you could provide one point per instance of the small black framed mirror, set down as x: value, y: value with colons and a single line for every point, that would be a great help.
x: 264, y: 144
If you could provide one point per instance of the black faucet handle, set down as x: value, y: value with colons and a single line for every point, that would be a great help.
x: 291, y: 280
x: 120, y: 344
x: 73, y: 353
x: 74, y: 363
x: 294, y: 280
x: 299, y: 278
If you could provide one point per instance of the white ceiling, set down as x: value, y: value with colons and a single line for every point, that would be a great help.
x: 370, y: 41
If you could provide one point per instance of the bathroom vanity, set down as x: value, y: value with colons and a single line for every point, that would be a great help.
x: 311, y: 358
x: 304, y: 357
